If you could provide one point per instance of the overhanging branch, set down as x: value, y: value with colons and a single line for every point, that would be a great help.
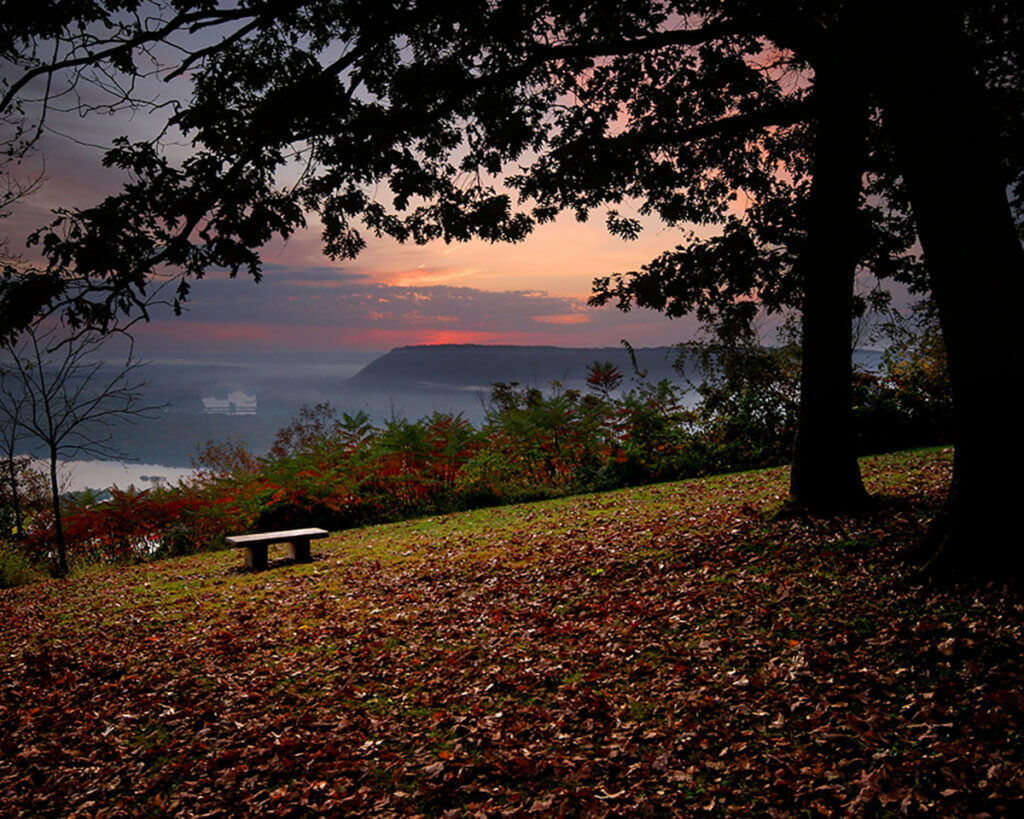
x: 787, y: 113
x: 650, y: 42
x: 121, y: 49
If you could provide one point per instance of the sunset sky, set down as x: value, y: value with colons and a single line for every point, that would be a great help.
x: 392, y: 295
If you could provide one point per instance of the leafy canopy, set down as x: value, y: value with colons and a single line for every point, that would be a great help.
x: 474, y: 118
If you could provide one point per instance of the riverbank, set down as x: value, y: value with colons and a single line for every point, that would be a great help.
x: 77, y: 476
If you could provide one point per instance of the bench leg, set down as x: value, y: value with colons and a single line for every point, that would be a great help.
x: 298, y: 550
x: 256, y: 556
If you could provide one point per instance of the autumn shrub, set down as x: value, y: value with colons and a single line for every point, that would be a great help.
x: 480, y: 480
x: 652, y: 436
x: 313, y: 473
x: 121, y: 529
x: 338, y: 472
x: 416, y: 466
x: 24, y: 493
x: 16, y: 568
x: 749, y: 397
x: 296, y: 494
x: 132, y: 525
x: 128, y: 526
x: 910, y: 402
x: 554, y: 442
x: 177, y: 540
x: 749, y: 401
x: 227, y: 492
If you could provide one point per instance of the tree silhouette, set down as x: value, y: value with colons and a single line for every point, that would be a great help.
x: 946, y: 132
x: 431, y: 85
x: 58, y: 393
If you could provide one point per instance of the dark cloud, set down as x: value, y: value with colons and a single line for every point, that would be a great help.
x: 325, y: 298
x: 328, y: 309
x: 392, y: 295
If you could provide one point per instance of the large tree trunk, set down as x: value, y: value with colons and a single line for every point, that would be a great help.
x: 825, y: 478
x: 945, y: 137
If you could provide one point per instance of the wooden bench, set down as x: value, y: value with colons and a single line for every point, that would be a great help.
x: 256, y: 545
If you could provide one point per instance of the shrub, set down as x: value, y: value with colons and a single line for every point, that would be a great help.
x: 749, y: 401
x: 15, y: 567
x: 910, y: 402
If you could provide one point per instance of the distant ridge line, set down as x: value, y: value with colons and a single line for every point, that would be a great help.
x: 484, y: 364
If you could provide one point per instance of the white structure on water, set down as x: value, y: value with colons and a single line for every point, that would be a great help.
x: 237, y: 403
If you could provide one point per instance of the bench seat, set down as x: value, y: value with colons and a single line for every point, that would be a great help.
x: 255, y: 545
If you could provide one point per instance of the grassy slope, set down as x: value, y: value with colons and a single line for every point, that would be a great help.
x: 666, y: 649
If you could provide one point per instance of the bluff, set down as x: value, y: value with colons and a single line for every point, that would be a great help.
x: 480, y: 365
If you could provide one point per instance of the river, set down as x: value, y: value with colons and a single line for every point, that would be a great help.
x: 75, y: 476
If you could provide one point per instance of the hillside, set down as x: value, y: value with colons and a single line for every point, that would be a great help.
x: 676, y: 649
x: 468, y: 365
x: 480, y: 365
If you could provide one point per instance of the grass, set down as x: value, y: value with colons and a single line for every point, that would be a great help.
x: 677, y: 648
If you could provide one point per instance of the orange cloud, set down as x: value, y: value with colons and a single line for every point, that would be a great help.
x: 473, y: 337
x: 564, y: 318
x: 425, y: 277
x: 190, y: 337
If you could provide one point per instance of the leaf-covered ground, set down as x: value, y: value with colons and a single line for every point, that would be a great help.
x: 676, y: 649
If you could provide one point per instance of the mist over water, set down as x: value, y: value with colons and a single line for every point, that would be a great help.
x: 76, y: 476
x: 250, y: 400
x: 408, y: 382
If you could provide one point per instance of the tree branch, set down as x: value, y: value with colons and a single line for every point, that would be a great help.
x: 650, y: 42
x: 786, y: 113
x: 122, y: 49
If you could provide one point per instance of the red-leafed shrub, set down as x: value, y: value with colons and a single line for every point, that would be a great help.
x: 129, y: 525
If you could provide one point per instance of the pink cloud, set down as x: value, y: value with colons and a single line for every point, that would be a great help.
x: 284, y: 314
x: 564, y: 318
x: 424, y: 277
